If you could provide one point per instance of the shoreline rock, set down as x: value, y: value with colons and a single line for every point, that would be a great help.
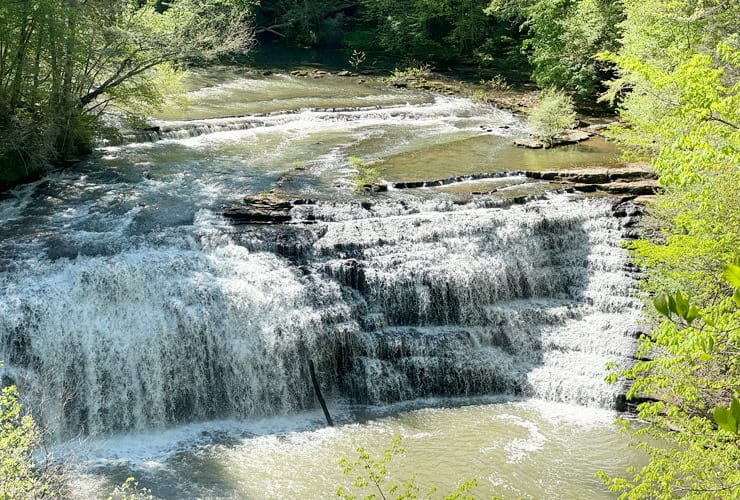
x: 564, y: 139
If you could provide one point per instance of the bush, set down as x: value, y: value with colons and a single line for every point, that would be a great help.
x: 20, y: 437
x: 553, y: 115
x: 370, y: 474
x: 415, y: 70
x: 365, y: 176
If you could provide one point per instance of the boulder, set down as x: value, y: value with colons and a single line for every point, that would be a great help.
x: 568, y: 137
x: 530, y: 143
x: 375, y: 188
x: 270, y: 208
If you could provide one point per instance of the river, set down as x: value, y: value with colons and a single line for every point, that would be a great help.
x: 154, y: 338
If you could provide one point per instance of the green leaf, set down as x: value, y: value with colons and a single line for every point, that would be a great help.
x: 710, y: 319
x: 661, y: 304
x: 732, y: 274
x: 736, y: 296
x: 671, y: 303
x: 693, y: 313
x: 682, y: 304
x: 725, y: 419
x: 735, y: 409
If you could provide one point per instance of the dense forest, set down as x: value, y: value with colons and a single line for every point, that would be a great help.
x: 670, y: 70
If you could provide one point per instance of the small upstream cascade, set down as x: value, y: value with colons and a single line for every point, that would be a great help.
x: 441, y: 110
x: 396, y: 301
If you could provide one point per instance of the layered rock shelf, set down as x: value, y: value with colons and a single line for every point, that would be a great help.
x: 269, y: 208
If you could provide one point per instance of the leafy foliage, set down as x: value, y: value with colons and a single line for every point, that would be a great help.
x: 563, y: 37
x: 130, y: 490
x: 440, y: 30
x: 694, y: 375
x: 366, y: 175
x: 19, y: 439
x: 678, y: 89
x: 553, y: 115
x: 371, y: 477
x: 63, y: 61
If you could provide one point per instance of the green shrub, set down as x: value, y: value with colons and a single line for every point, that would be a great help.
x: 20, y: 437
x: 370, y: 475
x: 497, y: 82
x: 365, y: 176
x: 553, y: 115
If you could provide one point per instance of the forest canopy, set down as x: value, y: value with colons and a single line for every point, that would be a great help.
x: 63, y: 61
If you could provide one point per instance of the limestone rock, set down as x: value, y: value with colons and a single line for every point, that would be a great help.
x: 271, y: 208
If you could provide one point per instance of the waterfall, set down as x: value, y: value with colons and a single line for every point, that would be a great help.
x: 442, y: 109
x: 409, y: 300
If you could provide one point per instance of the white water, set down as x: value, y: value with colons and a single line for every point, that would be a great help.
x: 128, y: 304
x: 417, y: 302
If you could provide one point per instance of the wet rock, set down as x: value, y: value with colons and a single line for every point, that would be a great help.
x: 529, y: 143
x: 626, y: 207
x: 349, y: 273
x: 639, y: 188
x: 630, y: 180
x: 622, y: 404
x: 375, y: 188
x: 344, y: 73
x: 572, y: 137
x: 578, y: 177
x: 303, y: 201
x: 568, y: 137
x: 262, y: 209
x: 454, y: 179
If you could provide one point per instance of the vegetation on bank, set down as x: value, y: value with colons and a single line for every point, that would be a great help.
x: 62, y: 62
x: 20, y: 437
x: 679, y: 95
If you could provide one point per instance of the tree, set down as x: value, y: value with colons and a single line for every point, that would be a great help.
x: 553, y: 115
x: 432, y: 31
x: 63, y: 61
x: 679, y: 92
x: 563, y: 38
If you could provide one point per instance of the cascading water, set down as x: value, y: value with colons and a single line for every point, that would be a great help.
x: 420, y: 301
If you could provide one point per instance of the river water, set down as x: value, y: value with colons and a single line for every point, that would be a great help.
x: 155, y: 339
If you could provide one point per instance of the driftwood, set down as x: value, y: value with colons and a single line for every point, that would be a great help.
x: 317, y: 390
